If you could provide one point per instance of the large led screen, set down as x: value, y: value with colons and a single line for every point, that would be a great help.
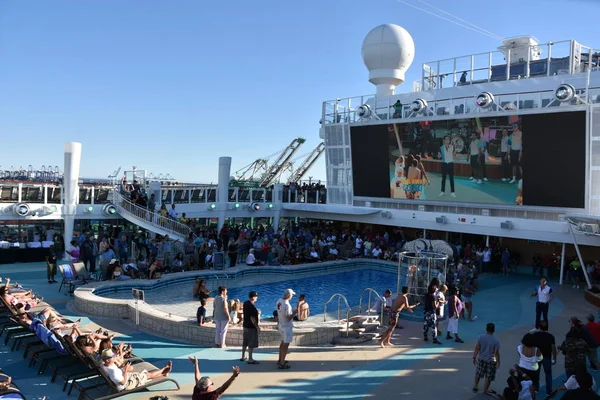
x: 531, y: 160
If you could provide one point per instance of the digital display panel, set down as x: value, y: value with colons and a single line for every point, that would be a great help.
x: 532, y: 160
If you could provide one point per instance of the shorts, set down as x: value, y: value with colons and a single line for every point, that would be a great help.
x: 485, y: 369
x: 453, y: 325
x: 468, y: 299
x: 514, y: 158
x: 287, y: 334
x: 393, y: 318
x: 40, y: 316
x: 250, y: 338
x: 135, y: 379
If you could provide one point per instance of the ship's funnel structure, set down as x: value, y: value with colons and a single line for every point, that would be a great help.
x: 519, y: 47
x: 71, y: 186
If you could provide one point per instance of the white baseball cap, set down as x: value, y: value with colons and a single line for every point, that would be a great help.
x: 288, y: 293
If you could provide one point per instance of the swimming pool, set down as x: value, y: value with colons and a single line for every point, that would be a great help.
x: 177, y: 298
x: 319, y: 289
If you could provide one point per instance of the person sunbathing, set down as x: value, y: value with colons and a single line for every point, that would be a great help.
x: 26, y: 298
x: 56, y: 326
x: 5, y: 385
x: 125, y: 378
x: 90, y: 342
x: 122, y: 351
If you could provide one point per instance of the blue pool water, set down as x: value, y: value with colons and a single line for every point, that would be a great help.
x: 319, y: 289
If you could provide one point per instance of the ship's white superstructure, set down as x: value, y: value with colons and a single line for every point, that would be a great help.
x: 523, y: 77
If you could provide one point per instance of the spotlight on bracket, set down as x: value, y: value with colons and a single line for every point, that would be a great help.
x: 22, y: 209
x: 236, y: 206
x: 254, y: 207
x: 212, y: 206
x: 484, y: 99
x: 269, y: 206
x: 564, y: 92
x: 89, y: 210
x: 419, y: 105
x: 109, y: 209
x: 364, y: 111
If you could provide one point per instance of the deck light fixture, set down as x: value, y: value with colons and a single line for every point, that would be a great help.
x: 564, y: 92
x: 22, y: 209
x: 364, y: 111
x: 419, y: 105
x: 109, y: 209
x: 484, y: 99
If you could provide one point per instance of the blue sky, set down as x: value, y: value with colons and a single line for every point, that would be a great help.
x: 169, y: 86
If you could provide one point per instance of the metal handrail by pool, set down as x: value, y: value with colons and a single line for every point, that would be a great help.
x: 340, y: 297
x: 370, y: 290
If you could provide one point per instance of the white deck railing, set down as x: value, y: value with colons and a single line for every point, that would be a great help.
x: 152, y: 218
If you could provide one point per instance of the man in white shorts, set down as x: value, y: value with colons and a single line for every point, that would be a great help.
x: 285, y: 314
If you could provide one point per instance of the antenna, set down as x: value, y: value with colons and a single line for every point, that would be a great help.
x: 473, y: 27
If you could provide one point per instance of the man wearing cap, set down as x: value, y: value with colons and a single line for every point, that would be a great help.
x: 251, y: 329
x: 285, y: 314
x: 125, y: 378
x: 205, y: 387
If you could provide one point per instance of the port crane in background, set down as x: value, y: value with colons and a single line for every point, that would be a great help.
x: 307, y: 163
x: 275, y: 170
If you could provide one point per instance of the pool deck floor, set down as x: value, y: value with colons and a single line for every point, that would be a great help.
x: 327, y: 372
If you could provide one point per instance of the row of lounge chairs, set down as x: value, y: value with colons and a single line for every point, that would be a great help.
x: 79, y: 369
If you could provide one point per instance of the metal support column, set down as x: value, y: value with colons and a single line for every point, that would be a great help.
x: 585, y: 274
x: 562, y: 264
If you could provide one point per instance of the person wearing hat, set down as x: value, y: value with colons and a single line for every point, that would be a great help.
x: 251, y: 329
x: 205, y: 387
x: 285, y: 314
x: 251, y: 260
x: 125, y: 378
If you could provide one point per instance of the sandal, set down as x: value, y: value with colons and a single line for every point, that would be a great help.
x: 243, y: 359
x: 255, y: 362
x: 284, y: 366
x: 475, y: 390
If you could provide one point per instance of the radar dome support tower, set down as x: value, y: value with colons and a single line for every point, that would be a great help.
x: 387, y: 51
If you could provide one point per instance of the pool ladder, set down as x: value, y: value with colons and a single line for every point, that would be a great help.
x: 340, y: 297
x: 217, y: 277
x: 371, y: 291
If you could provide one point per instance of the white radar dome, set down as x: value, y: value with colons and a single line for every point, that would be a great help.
x: 387, y: 51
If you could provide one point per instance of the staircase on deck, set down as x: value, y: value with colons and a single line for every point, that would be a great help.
x: 150, y: 221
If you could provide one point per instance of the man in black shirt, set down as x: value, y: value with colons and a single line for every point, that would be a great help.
x: 547, y: 344
x: 89, y: 251
x: 251, y: 329
x: 51, y: 261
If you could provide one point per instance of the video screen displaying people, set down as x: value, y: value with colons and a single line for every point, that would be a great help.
x: 476, y: 160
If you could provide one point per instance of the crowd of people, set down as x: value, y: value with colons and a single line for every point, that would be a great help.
x: 538, y: 349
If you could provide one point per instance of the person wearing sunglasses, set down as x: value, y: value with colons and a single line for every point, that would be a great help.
x: 205, y: 387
